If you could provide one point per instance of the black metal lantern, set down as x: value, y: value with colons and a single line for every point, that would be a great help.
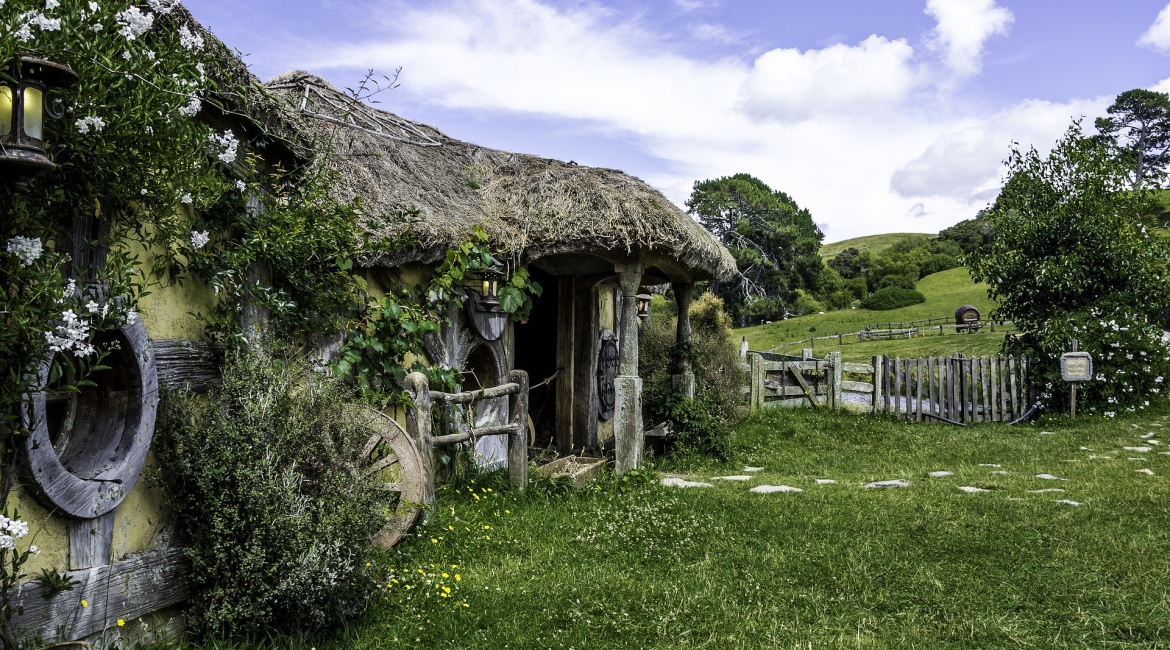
x: 643, y: 305
x: 23, y: 108
x: 487, y: 285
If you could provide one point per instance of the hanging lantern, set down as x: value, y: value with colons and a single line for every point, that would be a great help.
x: 643, y: 305
x: 23, y: 108
x: 486, y: 283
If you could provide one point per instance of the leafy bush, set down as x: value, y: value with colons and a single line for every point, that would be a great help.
x: 701, y: 424
x: 892, y: 298
x: 260, y: 477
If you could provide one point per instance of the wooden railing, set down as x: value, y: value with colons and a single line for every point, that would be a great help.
x: 891, y: 333
x: 419, y: 424
x: 957, y: 388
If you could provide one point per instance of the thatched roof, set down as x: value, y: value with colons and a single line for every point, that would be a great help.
x: 531, y: 206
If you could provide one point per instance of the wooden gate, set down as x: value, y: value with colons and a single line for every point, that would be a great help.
x: 780, y: 380
x: 960, y: 389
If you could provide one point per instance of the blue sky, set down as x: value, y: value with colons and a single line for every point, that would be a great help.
x: 877, y: 116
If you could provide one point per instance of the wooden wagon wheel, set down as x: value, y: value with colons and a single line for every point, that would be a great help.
x: 391, y: 455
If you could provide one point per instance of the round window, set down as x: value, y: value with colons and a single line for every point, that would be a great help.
x: 86, y: 449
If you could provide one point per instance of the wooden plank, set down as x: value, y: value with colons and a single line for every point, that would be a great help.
x: 930, y: 369
x: 835, y: 359
x: 585, y: 407
x: 897, y: 385
x: 1011, y: 375
x: 976, y: 409
x: 857, y: 387
x: 858, y: 368
x: 475, y: 395
x: 877, y: 383
x: 124, y: 590
x: 808, y: 392
x: 1004, y: 413
x: 944, y: 396
x: 91, y: 541
x: 956, y: 379
x: 566, y: 363
x: 775, y: 366
x: 918, y: 384
x: 518, y: 441
x: 993, y: 371
x: 755, y: 382
x: 188, y: 365
x: 984, y: 378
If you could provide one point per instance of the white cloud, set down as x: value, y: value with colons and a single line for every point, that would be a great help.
x: 1157, y: 37
x: 964, y: 26
x: 714, y: 33
x: 856, y: 133
x: 790, y: 84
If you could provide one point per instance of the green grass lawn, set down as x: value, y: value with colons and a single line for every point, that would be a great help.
x: 875, y: 244
x: 944, y: 292
x: 630, y: 565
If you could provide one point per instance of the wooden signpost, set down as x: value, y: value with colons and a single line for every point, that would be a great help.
x: 1075, y: 367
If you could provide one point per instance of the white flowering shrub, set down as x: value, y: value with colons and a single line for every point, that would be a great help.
x: 12, y: 561
x: 261, y: 477
x: 1071, y: 259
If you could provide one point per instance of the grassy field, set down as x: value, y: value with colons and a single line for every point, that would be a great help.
x: 944, y: 293
x: 875, y: 244
x: 626, y: 564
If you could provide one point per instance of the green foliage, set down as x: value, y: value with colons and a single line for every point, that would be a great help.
x: 892, y: 297
x: 774, y: 241
x: 1138, y: 128
x: 1071, y: 259
x: 55, y: 583
x: 970, y: 235
x: 263, y: 477
x: 701, y: 424
x: 805, y: 303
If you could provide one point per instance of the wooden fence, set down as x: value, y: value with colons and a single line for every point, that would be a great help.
x: 957, y: 388
x: 887, y: 334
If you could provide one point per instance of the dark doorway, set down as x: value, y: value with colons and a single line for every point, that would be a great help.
x: 536, y: 353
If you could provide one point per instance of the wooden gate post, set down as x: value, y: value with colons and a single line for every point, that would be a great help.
x: 518, y: 440
x: 756, y: 396
x: 835, y: 360
x: 418, y: 427
x: 877, y: 383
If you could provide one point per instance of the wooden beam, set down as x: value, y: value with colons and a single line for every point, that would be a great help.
x: 565, y: 364
x: 91, y: 541
x: 628, y: 432
x: 124, y: 590
x: 587, y: 330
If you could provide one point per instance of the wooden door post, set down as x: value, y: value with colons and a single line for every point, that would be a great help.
x: 518, y: 440
x: 684, y: 376
x: 418, y: 427
x: 627, y: 427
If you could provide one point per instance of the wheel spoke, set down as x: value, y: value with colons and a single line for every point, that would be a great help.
x: 382, y: 464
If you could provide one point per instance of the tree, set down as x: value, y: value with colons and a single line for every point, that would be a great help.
x: 774, y: 241
x: 1072, y: 260
x: 970, y: 234
x: 1139, y: 126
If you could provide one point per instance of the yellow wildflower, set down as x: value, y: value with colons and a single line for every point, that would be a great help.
x: 121, y: 623
x: 445, y: 575
x: 458, y: 577
x: 84, y: 603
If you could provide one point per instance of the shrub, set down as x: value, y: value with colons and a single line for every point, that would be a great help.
x: 892, y: 298
x: 806, y: 303
x: 908, y: 282
x: 279, y: 526
x: 701, y: 424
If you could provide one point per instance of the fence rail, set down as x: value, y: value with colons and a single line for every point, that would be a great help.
x: 888, y: 334
x: 956, y: 388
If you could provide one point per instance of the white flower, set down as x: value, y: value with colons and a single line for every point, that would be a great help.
x: 164, y: 7
x: 7, y: 543
x: 149, y: 54
x: 241, y: 186
x: 134, y: 23
x: 51, y: 4
x: 199, y: 239
x: 1158, y: 379
x: 27, y: 249
x: 24, y: 34
x: 91, y: 122
x: 34, y: 549
x: 192, y: 107
x: 1129, y: 356
x: 226, y: 145
x: 97, y: 27
x: 186, y: 198
x: 1100, y: 376
x: 1110, y: 414
x: 45, y: 23
x: 93, y: 6
x: 188, y: 40
x: 144, y: 191
x: 202, y: 71
x: 131, y: 317
x: 126, y: 54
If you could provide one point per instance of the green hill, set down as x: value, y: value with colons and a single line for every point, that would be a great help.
x: 944, y: 293
x: 873, y: 243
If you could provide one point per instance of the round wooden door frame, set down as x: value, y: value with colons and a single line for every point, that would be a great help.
x: 53, y: 484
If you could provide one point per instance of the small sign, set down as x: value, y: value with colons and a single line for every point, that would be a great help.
x: 1076, y: 366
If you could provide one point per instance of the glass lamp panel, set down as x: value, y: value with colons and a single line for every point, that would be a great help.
x: 5, y: 110
x: 487, y: 288
x: 34, y: 113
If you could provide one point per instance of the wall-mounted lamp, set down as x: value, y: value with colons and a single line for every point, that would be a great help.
x: 643, y: 305
x: 23, y: 109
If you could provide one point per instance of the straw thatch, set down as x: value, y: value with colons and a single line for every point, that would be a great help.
x: 530, y: 206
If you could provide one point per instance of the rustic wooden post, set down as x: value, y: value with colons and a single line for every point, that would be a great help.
x: 944, y: 393
x: 628, y: 431
x: 931, y: 366
x: 878, y: 371
x: 565, y: 362
x: 685, y: 376
x: 418, y: 427
x: 1016, y: 410
x: 835, y: 359
x: 993, y: 370
x: 887, y: 383
x: 91, y: 541
x: 918, y: 384
x: 518, y: 440
x: 897, y: 385
x: 755, y: 382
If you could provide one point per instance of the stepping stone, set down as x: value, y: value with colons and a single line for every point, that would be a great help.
x: 1135, y: 426
x: 1049, y: 477
x: 1047, y: 433
x: 1148, y: 435
x: 990, y: 465
x: 1153, y: 442
x: 898, y: 482
x: 768, y: 489
x: 1001, y: 472
x: 1068, y: 502
x: 825, y: 481
x: 1086, y: 449
x: 970, y: 489
x: 1164, y: 453
x: 1046, y: 490
x: 941, y: 474
x: 1141, y: 449
x: 1137, y: 458
x: 683, y: 483
x: 1145, y: 471
x: 740, y: 477
x: 1155, y: 424
x: 753, y: 469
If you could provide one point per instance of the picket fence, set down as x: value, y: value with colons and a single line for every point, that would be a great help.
x: 956, y: 388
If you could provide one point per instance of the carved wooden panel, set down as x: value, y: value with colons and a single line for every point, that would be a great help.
x: 607, y: 369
